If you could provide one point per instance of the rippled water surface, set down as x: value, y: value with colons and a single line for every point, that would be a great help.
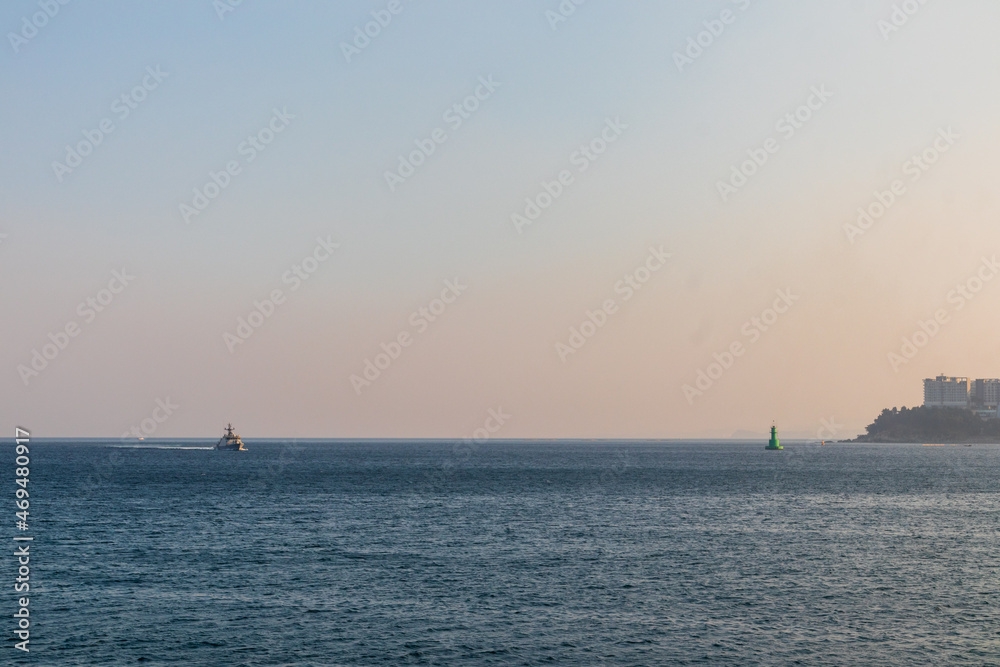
x: 513, y: 553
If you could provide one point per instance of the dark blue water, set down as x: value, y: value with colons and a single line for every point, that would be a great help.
x: 577, y: 553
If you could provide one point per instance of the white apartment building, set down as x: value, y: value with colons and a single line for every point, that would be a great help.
x: 946, y: 392
x: 986, y: 393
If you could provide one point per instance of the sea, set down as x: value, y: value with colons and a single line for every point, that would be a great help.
x: 569, y: 552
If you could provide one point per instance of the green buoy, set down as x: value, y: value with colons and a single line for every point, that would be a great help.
x: 773, y: 442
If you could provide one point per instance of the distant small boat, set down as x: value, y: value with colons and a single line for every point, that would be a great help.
x: 230, y: 441
x: 773, y: 442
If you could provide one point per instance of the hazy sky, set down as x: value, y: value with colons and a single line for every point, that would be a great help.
x: 176, y: 163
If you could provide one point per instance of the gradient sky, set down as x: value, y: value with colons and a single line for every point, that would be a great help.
x: 162, y: 337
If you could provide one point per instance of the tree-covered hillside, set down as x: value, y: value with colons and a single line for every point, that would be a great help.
x: 935, y: 425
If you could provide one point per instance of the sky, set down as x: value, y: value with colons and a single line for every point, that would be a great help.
x: 528, y: 219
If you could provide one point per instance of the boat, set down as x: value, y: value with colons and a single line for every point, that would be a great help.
x: 230, y: 441
x: 773, y: 442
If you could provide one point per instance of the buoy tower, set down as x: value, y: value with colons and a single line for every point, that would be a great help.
x: 773, y: 442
